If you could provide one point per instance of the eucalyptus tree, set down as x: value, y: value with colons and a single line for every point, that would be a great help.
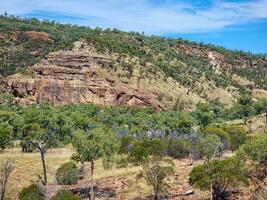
x: 90, y: 146
x: 38, y: 138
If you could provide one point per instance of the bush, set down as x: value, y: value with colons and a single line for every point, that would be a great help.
x: 179, y: 148
x: 254, y: 155
x: 219, y: 176
x: 236, y: 136
x: 33, y: 192
x: 5, y: 137
x: 221, y: 134
x: 67, y: 174
x: 207, y: 146
x: 156, y: 173
x: 65, y: 195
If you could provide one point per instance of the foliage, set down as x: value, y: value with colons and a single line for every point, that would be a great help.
x: 67, y: 174
x: 160, y: 53
x: 33, y: 192
x: 96, y: 144
x: 65, y: 195
x: 219, y: 175
x: 179, y: 148
x: 5, y: 137
x: 155, y: 167
x: 236, y: 136
x: 207, y: 146
x: 99, y: 143
x: 38, y: 138
x: 223, y: 136
x: 204, y: 114
x: 254, y: 154
x: 155, y: 173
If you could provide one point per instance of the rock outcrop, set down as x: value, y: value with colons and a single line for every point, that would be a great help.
x: 72, y: 77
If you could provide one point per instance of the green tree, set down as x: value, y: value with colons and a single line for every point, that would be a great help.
x: 207, y: 146
x: 155, y: 173
x: 220, y: 132
x: 5, y: 137
x: 236, y: 136
x: 156, y: 168
x: 218, y: 176
x: 99, y: 143
x: 34, y: 135
x: 254, y: 155
x: 179, y: 148
x: 204, y: 114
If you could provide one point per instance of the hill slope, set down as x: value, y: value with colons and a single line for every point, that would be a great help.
x: 70, y: 64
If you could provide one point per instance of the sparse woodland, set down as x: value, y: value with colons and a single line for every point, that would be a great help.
x: 75, y: 152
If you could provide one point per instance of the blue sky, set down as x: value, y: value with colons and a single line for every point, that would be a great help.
x: 235, y: 24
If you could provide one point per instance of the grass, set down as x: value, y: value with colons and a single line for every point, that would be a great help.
x: 28, y: 169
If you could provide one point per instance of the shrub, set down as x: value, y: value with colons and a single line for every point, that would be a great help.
x: 156, y: 173
x: 33, y: 192
x: 236, y: 136
x: 218, y: 176
x: 65, y: 195
x: 5, y: 137
x: 67, y: 174
x: 254, y: 155
x: 221, y: 134
x: 207, y: 146
x: 179, y: 148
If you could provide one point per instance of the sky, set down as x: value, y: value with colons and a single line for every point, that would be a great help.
x: 234, y: 24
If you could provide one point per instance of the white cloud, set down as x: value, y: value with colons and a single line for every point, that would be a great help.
x: 142, y: 15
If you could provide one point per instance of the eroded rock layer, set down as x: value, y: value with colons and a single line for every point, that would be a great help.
x: 72, y: 77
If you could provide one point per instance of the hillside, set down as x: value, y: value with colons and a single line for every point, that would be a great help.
x: 46, y: 61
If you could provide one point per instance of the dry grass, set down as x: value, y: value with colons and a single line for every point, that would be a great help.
x: 123, y: 181
x: 28, y: 167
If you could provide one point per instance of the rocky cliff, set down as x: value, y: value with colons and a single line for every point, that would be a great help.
x: 45, y: 63
x: 82, y: 75
x: 73, y: 77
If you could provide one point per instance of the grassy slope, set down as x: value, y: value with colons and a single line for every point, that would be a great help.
x: 151, y: 54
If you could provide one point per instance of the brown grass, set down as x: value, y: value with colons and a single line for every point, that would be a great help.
x: 123, y: 181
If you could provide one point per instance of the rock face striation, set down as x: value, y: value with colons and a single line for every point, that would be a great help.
x: 72, y: 77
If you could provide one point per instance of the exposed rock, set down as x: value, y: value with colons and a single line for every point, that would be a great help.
x: 32, y: 35
x: 38, y: 36
x: 72, y: 77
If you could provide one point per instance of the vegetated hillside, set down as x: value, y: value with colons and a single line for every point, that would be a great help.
x: 74, y: 64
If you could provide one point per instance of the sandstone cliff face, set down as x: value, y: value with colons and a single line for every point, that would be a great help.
x: 72, y: 77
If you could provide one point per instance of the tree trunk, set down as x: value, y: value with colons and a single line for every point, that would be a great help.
x: 3, y: 189
x: 44, y: 166
x: 92, y: 181
x: 211, y: 191
x: 156, y: 197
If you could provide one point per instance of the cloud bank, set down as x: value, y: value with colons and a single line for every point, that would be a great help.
x: 150, y: 16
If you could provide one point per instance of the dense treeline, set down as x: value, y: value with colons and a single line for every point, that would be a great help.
x: 63, y: 121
